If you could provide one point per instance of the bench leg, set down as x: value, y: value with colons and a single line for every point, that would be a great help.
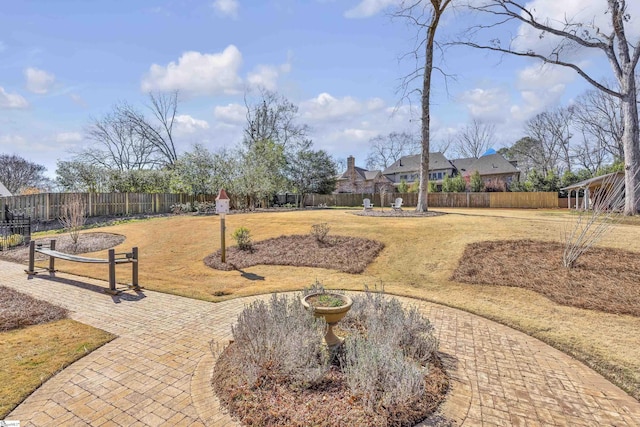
x: 32, y: 258
x: 134, y: 270
x: 52, y: 266
x: 112, y: 273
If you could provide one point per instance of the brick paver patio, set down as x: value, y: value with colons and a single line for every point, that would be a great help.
x: 157, y: 371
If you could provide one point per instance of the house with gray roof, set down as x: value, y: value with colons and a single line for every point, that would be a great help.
x: 407, y: 168
x: 359, y: 180
x: 490, y: 166
x: 3, y: 191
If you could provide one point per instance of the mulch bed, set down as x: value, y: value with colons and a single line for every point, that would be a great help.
x: 18, y: 310
x: 88, y: 242
x: 328, y: 404
x: 397, y: 214
x: 603, y: 279
x: 342, y: 253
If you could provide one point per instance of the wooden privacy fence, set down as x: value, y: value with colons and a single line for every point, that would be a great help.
x: 49, y: 206
x: 442, y: 200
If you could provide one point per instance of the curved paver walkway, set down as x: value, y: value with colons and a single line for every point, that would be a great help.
x: 157, y: 371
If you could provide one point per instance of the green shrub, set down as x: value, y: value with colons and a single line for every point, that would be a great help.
x: 204, y: 207
x: 403, y: 187
x: 476, y: 183
x: 242, y: 236
x: 11, y: 241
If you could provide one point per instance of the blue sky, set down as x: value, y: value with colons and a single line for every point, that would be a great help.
x: 64, y: 62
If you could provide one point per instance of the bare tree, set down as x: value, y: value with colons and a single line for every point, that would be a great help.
x: 425, y: 16
x: 126, y: 139
x: 385, y: 150
x: 551, y: 129
x: 17, y: 173
x: 117, y: 144
x: 475, y: 139
x: 610, y: 41
x: 599, y: 116
x: 163, y: 107
x: 274, y: 118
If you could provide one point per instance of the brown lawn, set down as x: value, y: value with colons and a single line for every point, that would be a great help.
x: 419, y: 258
x: 32, y: 354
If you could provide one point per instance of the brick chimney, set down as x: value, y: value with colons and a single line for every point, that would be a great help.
x: 351, y: 164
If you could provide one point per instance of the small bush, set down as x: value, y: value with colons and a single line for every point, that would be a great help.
x: 11, y: 241
x: 181, y: 208
x: 204, y: 207
x: 320, y: 231
x: 242, y: 236
x: 280, y: 339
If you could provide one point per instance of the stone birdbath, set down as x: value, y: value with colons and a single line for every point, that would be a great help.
x: 333, y: 307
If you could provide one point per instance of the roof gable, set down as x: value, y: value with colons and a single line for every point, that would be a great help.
x: 3, y: 191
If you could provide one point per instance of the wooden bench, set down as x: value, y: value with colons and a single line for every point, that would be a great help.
x: 113, y: 259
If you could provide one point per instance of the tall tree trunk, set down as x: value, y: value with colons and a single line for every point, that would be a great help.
x: 423, y: 192
x: 631, y: 143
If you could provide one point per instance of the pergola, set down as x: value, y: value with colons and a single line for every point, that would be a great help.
x: 590, y: 186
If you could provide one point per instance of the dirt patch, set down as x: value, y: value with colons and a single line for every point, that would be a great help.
x: 18, y: 310
x: 88, y: 242
x: 603, y: 279
x: 329, y: 403
x: 342, y: 253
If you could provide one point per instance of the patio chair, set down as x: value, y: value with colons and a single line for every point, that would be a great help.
x: 367, y: 204
x: 397, y: 205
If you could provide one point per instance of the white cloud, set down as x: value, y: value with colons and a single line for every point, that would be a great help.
x: 368, y: 8
x: 540, y: 86
x: 486, y: 104
x: 264, y: 76
x: 325, y: 107
x: 77, y: 99
x: 64, y: 137
x: 591, y: 14
x: 39, y: 81
x: 197, y: 73
x: 11, y: 100
x: 187, y: 124
x: 226, y: 7
x: 231, y: 113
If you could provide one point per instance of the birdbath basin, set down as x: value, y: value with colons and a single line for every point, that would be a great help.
x: 333, y: 307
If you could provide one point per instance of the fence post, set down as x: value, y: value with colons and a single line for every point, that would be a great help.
x: 47, y: 207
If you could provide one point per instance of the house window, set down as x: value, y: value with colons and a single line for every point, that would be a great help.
x: 439, y: 175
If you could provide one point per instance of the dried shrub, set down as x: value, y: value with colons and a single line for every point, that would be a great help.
x: 204, y: 207
x: 320, y: 231
x: 277, y: 340
x: 278, y: 373
x: 73, y: 217
x: 18, y: 310
x: 387, y: 351
x: 242, y: 236
x: 181, y: 208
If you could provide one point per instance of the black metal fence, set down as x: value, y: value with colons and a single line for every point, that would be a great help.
x: 14, y: 231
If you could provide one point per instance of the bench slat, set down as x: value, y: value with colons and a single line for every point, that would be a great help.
x: 77, y: 258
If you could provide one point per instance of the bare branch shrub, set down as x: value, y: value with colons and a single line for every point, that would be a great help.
x: 280, y: 339
x: 320, y: 231
x: 592, y: 224
x: 73, y: 216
